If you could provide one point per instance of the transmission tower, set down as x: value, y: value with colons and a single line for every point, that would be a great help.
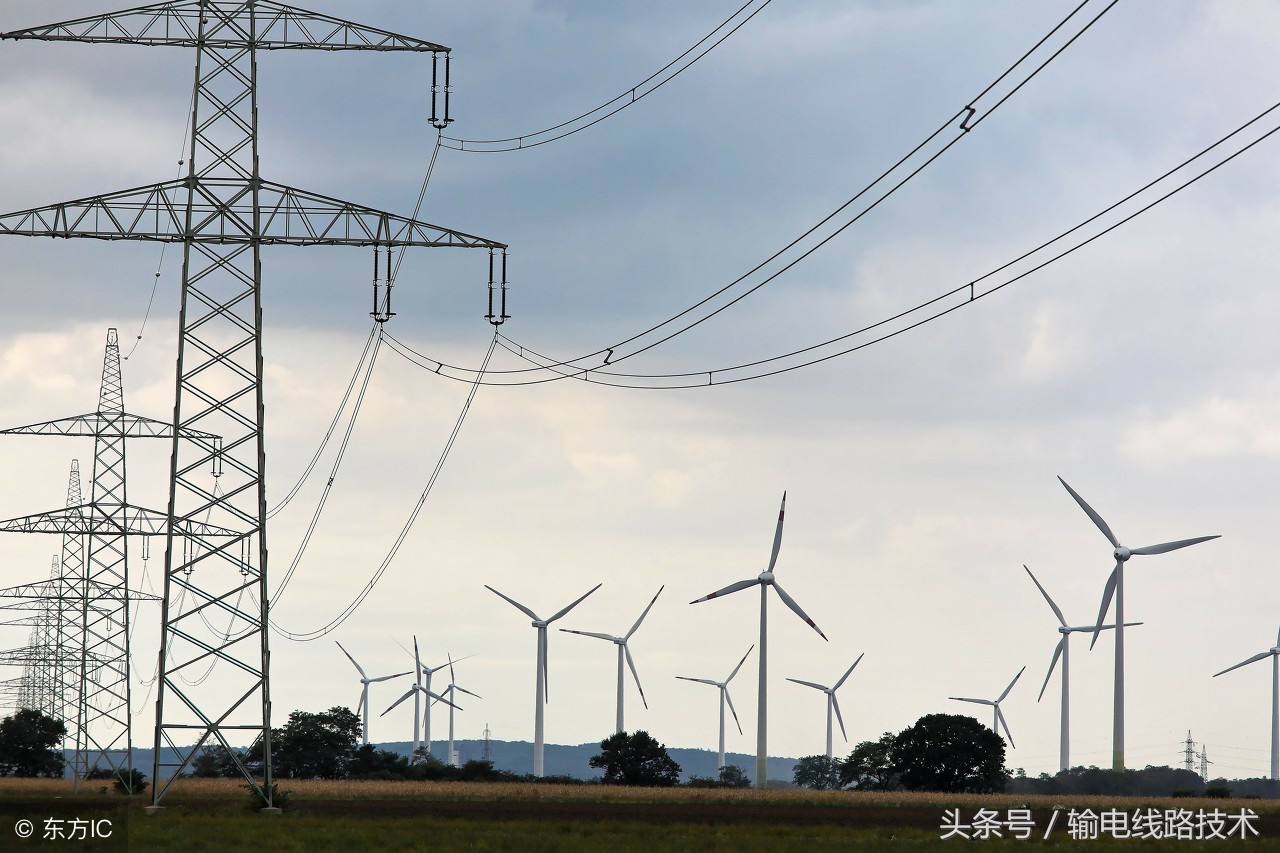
x: 1189, y: 752
x: 1204, y: 763
x: 93, y: 601
x: 488, y: 747
x: 223, y: 212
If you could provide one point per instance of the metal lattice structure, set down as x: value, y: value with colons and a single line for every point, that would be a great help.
x: 215, y: 680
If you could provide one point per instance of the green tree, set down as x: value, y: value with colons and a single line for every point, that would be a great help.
x: 636, y: 759
x: 817, y: 772
x: 318, y: 745
x: 29, y: 745
x: 951, y: 753
x: 870, y: 766
x: 733, y: 776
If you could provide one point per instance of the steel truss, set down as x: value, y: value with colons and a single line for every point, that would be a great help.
x: 223, y: 213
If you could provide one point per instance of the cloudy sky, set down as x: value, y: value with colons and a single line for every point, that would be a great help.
x: 920, y: 471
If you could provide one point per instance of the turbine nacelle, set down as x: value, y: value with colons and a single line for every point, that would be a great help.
x: 1122, y: 553
x: 539, y: 623
x: 766, y: 577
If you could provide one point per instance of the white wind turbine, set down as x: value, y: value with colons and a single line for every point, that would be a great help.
x: 365, y: 681
x: 1115, y: 586
x: 417, y: 691
x: 623, y: 652
x: 998, y: 718
x: 1274, y: 654
x: 724, y: 697
x: 764, y: 581
x: 540, y: 692
x: 1063, y: 650
x: 451, y: 692
x: 831, y: 701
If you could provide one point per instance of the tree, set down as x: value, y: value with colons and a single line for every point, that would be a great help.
x: 870, y: 766
x: 369, y: 762
x: 214, y: 761
x: 951, y: 753
x: 733, y: 776
x: 817, y: 772
x: 29, y: 745
x: 636, y: 759
x: 316, y: 745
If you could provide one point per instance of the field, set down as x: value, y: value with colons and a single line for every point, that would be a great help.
x: 213, y: 815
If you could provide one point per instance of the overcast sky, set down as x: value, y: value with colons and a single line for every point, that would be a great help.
x: 920, y: 472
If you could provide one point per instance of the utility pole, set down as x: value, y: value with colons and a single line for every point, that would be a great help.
x: 223, y: 213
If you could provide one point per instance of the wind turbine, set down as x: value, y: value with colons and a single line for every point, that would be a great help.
x: 540, y: 692
x: 1115, y: 586
x: 365, y: 681
x: 417, y: 691
x: 623, y: 651
x: 1274, y: 654
x: 831, y: 701
x: 451, y: 691
x: 764, y: 581
x: 724, y: 697
x: 1063, y: 650
x: 998, y: 718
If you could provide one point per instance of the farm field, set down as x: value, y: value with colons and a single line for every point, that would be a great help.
x: 212, y: 815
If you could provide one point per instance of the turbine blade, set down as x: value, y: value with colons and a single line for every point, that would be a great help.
x: 1057, y: 653
x: 1056, y: 612
x: 437, y: 697
x: 733, y: 587
x: 360, y: 707
x: 1166, y: 547
x: 1256, y: 657
x: 777, y: 534
x: 732, y: 710
x: 632, y: 664
x: 809, y: 684
x: 608, y: 637
x: 1106, y: 603
x: 542, y: 648
x: 699, y: 680
x: 452, y: 677
x: 398, y: 701
x: 1000, y: 717
x: 575, y: 604
x: 465, y: 690
x: 791, y: 602
x: 839, y: 719
x: 417, y: 661
x: 388, y: 677
x: 740, y: 663
x: 627, y: 636
x: 353, y: 660
x: 1010, y: 687
x: 975, y: 701
x: 512, y: 601
x: 848, y: 672
x: 1097, y: 519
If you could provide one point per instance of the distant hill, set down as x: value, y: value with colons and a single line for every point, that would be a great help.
x: 558, y: 759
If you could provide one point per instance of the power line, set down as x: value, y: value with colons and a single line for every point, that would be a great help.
x: 815, y: 354
x: 613, y: 105
x: 308, y: 636
x: 964, y: 115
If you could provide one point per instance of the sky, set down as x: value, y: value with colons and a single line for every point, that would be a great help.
x: 920, y: 472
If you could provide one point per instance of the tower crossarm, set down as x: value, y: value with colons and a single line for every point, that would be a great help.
x: 222, y: 212
x: 134, y: 521
x: 232, y: 24
x: 95, y: 424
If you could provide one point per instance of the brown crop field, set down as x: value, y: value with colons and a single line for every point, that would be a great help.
x: 214, y: 814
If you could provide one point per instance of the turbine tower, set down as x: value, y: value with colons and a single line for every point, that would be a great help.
x: 764, y: 581
x: 724, y: 697
x: 1063, y: 650
x: 365, y: 681
x: 451, y: 692
x: 1115, y: 586
x: 997, y: 719
x: 1274, y: 654
x: 832, y: 703
x: 223, y: 212
x: 540, y: 689
x: 623, y: 652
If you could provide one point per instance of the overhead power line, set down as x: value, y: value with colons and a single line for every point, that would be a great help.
x: 594, y: 116
x: 1147, y: 196
x: 1004, y: 86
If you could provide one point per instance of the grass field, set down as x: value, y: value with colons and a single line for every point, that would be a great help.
x: 214, y: 814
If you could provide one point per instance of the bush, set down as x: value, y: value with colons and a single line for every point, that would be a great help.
x: 279, y: 798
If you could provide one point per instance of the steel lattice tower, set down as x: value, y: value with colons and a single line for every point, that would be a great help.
x: 92, y: 591
x: 223, y: 212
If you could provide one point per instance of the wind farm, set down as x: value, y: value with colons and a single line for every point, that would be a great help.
x: 429, y: 307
